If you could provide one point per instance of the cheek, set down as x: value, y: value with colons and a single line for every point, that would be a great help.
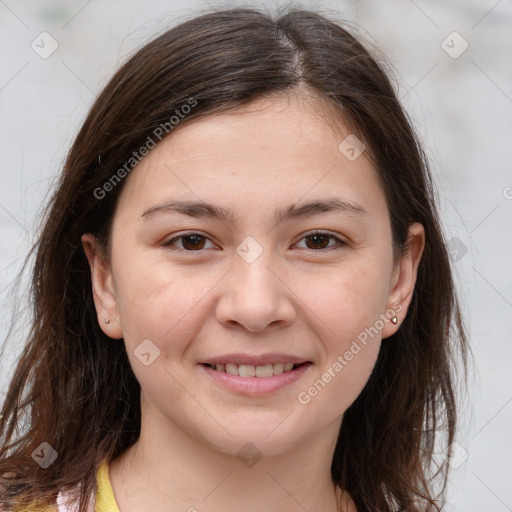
x: 347, y: 310
x: 330, y: 393
x: 163, y: 305
x: 351, y: 347
x: 346, y: 300
x: 159, y: 301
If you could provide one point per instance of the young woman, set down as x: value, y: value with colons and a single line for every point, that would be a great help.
x: 242, y: 294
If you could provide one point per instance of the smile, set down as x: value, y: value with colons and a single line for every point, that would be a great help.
x: 248, y: 370
x: 254, y: 380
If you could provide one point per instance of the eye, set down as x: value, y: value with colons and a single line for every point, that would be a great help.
x: 190, y: 242
x: 194, y: 242
x: 319, y: 240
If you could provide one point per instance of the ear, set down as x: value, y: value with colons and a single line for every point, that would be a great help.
x: 403, y: 279
x: 102, y: 288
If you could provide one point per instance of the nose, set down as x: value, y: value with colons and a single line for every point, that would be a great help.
x: 256, y: 295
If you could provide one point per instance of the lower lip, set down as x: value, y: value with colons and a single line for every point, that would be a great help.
x: 256, y: 385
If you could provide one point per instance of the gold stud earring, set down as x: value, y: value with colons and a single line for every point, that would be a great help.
x: 394, y: 320
x: 107, y: 320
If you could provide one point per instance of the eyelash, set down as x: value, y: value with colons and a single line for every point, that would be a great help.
x: 341, y: 243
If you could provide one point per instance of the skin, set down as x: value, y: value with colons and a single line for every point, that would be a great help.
x: 296, y: 298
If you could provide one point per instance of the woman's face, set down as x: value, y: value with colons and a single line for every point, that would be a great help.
x: 239, y: 276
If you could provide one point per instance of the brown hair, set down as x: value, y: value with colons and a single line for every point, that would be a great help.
x: 78, y: 388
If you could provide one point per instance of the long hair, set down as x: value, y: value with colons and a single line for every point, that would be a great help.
x: 76, y: 391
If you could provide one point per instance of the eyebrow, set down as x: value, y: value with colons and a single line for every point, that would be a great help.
x: 200, y: 209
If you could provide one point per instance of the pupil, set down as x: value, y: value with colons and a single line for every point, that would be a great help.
x: 196, y: 240
x: 317, y: 239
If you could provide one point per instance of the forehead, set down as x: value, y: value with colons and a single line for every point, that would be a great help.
x: 273, y: 149
x: 269, y: 125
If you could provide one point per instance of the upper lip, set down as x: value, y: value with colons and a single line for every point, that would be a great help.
x: 255, y: 360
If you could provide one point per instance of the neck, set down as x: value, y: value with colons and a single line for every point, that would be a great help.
x: 176, y: 472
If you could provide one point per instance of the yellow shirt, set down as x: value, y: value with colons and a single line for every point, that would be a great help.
x: 105, y: 500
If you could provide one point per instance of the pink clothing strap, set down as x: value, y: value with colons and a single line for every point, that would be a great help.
x: 64, y: 501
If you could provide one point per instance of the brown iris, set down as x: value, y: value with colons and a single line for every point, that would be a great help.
x: 196, y: 242
x: 318, y: 239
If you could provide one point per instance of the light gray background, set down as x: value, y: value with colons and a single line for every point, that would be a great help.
x: 462, y: 107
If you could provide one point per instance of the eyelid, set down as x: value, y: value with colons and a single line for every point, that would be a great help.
x: 183, y: 235
x: 340, y: 242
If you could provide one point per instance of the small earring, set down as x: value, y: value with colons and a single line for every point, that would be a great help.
x: 394, y: 320
x: 107, y: 320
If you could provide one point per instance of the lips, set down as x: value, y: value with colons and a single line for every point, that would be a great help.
x: 250, y: 385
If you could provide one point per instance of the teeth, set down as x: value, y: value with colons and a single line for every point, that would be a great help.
x: 278, y: 368
x: 248, y: 370
x: 262, y: 371
x: 232, y: 369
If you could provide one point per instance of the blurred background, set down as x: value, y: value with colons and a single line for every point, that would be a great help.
x: 451, y: 62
